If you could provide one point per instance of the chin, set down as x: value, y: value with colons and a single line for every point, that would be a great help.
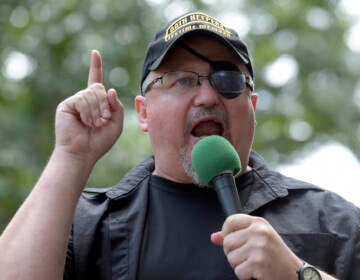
x: 185, y: 160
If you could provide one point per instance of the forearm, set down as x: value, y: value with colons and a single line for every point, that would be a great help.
x: 33, y: 246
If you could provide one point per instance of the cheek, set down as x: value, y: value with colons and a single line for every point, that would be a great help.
x: 243, y: 125
x: 166, y: 121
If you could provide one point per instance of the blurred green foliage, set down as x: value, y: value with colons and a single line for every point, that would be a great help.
x: 45, y: 49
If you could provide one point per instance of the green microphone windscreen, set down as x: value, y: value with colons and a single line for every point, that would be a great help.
x: 213, y: 155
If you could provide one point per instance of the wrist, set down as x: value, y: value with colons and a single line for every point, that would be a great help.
x: 73, y: 168
x: 308, y: 272
x: 77, y: 160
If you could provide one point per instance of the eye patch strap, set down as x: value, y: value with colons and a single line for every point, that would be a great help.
x: 214, y: 65
x: 192, y: 51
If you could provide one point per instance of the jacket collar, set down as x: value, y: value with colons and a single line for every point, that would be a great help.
x: 267, y: 187
x: 132, y: 179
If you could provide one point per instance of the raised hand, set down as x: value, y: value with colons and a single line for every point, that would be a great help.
x: 89, y: 122
x: 87, y: 125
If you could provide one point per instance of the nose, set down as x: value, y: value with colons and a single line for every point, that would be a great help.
x: 206, y: 95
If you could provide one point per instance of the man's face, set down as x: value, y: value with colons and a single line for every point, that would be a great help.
x: 175, y: 122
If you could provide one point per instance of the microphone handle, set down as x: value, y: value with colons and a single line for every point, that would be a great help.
x: 225, y: 187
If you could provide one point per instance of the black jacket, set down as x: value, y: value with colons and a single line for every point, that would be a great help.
x: 319, y: 226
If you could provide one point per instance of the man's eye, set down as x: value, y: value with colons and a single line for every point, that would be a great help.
x: 186, y: 82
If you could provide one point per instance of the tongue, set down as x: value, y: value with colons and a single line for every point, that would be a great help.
x: 207, y: 128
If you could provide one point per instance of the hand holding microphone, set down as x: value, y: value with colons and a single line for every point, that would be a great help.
x: 252, y: 246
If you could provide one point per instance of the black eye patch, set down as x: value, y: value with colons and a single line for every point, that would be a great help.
x: 226, y: 78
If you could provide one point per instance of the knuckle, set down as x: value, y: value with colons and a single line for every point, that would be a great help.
x: 80, y: 100
x: 257, y: 219
x: 104, y: 104
x: 79, y: 96
x: 262, y: 241
x: 60, y: 106
x: 260, y: 227
x: 238, y: 272
x: 232, y: 259
x: 257, y: 268
x: 229, y: 244
x: 231, y: 222
x: 242, y: 272
x: 89, y: 93
x: 261, y: 230
x: 257, y: 259
x: 97, y: 87
x: 252, y: 268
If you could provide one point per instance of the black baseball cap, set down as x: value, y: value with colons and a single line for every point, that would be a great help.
x: 189, y: 24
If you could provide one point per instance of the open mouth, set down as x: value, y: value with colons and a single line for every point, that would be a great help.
x: 206, y: 128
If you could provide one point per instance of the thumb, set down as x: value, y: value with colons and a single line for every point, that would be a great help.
x: 116, y: 107
x: 114, y: 101
x: 217, y: 238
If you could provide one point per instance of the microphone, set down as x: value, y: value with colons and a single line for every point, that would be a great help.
x: 216, y: 162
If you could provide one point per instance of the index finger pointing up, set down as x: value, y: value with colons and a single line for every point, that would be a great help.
x: 95, y: 71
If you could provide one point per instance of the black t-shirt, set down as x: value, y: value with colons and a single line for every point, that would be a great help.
x: 180, y: 220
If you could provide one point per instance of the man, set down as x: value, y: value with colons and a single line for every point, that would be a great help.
x: 157, y: 222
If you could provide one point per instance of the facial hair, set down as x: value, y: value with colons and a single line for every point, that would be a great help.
x: 185, y: 159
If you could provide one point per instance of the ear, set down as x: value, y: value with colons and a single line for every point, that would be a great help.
x: 254, y: 98
x: 140, y: 106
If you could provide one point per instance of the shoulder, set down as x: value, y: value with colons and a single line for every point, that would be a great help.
x: 95, y: 203
x: 304, y: 198
x: 276, y: 180
x: 321, y: 198
x: 135, y: 179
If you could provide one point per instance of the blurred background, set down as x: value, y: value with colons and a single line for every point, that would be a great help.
x: 306, y: 55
